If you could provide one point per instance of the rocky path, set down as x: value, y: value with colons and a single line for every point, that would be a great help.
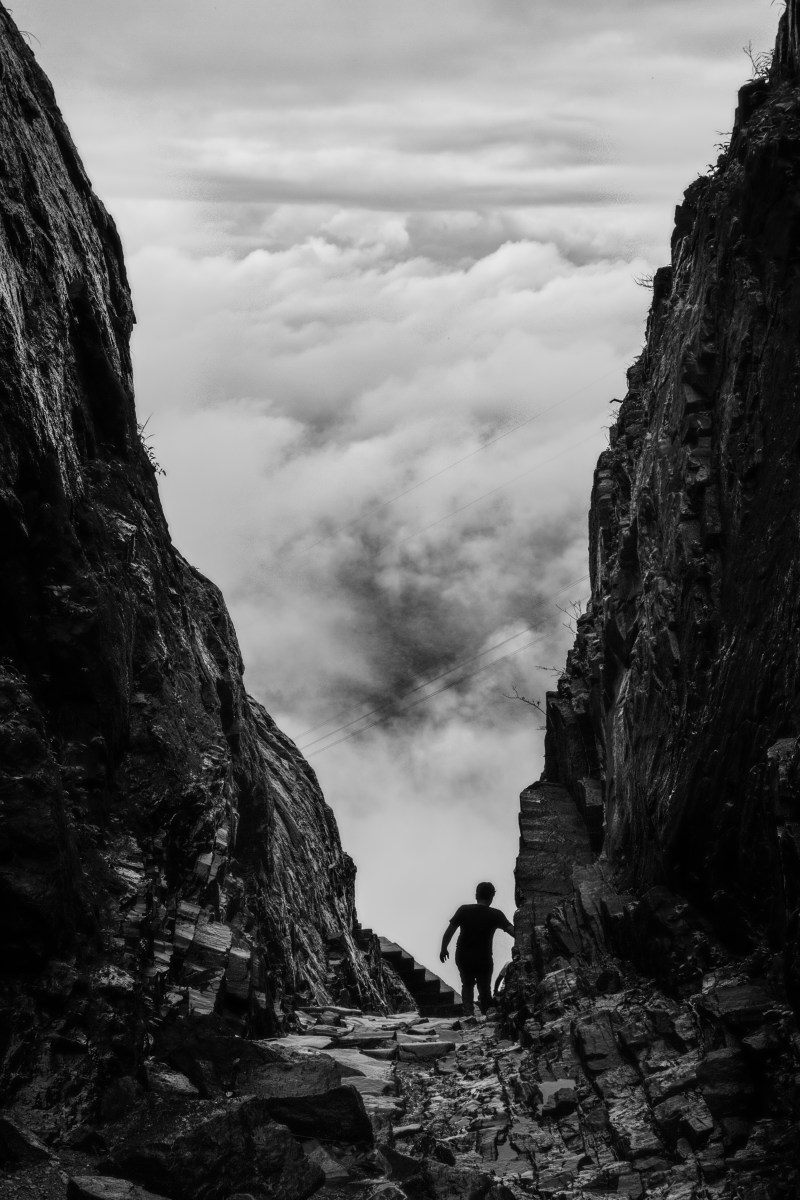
x: 609, y: 1096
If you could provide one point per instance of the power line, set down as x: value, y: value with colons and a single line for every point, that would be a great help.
x: 426, y: 683
x: 411, y: 691
x: 422, y: 699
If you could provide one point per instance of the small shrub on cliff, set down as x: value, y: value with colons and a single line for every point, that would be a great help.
x: 760, y: 61
x: 147, y: 446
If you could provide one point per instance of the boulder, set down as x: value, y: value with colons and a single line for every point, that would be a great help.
x: 413, y: 1051
x: 596, y: 1042
x: 199, y: 1150
x: 18, y: 1146
x: 337, y: 1115
x: 219, y: 1064
x: 686, y: 1116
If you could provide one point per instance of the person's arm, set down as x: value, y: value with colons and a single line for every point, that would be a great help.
x: 448, y: 933
x: 504, y: 923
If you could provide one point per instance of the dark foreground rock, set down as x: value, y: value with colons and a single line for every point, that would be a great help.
x: 655, y: 1061
x: 209, y: 1151
x: 106, y: 1187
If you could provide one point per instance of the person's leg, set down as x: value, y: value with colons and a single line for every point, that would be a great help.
x: 484, y: 981
x: 467, y: 989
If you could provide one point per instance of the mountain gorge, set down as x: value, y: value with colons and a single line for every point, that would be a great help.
x: 176, y: 899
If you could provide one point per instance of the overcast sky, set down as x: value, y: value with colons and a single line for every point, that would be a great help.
x: 384, y: 263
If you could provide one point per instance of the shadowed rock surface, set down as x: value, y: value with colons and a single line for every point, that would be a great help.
x: 675, y: 726
x: 658, y: 978
x: 165, y: 851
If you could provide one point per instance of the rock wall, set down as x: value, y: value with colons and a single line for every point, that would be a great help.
x: 675, y: 725
x: 163, y: 846
x: 657, y: 969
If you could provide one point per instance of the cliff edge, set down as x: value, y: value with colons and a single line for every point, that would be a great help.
x: 675, y: 726
x: 165, y: 851
x: 658, y: 881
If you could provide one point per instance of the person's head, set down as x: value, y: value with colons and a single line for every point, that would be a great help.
x: 484, y: 893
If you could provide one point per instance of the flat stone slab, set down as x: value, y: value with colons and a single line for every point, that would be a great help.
x: 371, y: 1040
x: 355, y: 1063
x: 416, y: 1051
x: 106, y: 1187
x: 301, y: 1041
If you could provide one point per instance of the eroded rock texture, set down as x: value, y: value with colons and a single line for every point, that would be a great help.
x: 675, y: 727
x: 659, y: 877
x: 164, y: 848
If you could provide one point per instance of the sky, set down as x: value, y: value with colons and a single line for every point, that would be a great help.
x: 389, y: 265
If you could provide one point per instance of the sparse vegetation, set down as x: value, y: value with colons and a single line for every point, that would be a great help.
x: 760, y: 61
x: 147, y: 446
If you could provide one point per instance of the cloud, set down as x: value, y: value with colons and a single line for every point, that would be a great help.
x: 329, y: 468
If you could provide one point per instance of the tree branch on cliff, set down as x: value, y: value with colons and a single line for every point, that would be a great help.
x: 537, y: 704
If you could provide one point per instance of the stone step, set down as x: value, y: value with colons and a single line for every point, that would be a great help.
x: 432, y: 995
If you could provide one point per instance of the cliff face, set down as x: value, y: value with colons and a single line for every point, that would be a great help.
x: 676, y: 723
x: 156, y: 826
x: 658, y: 880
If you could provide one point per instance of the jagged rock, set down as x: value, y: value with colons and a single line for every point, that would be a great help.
x: 207, y: 1151
x: 337, y: 1115
x: 333, y: 1170
x: 456, y: 1183
x: 415, y: 1050
x: 657, y: 947
x: 597, y: 1043
x: 18, y: 1144
x: 218, y: 1064
x: 725, y: 1081
x: 167, y: 1082
x: 684, y: 1116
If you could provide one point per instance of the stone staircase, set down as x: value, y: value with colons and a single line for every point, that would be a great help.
x: 433, y: 997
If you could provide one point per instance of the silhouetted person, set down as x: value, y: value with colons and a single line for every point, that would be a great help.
x: 477, y: 923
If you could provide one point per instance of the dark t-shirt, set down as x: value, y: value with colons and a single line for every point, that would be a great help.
x: 477, y: 923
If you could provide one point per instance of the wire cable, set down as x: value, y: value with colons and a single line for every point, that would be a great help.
x: 419, y: 687
x: 422, y: 699
x: 426, y: 683
x: 500, y: 487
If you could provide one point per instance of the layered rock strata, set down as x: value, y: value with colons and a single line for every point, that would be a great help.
x: 164, y: 849
x: 656, y: 1061
x: 675, y: 725
x: 658, y: 880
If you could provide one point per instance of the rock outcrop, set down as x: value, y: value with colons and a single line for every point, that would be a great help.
x: 659, y: 869
x: 676, y: 723
x: 165, y: 851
